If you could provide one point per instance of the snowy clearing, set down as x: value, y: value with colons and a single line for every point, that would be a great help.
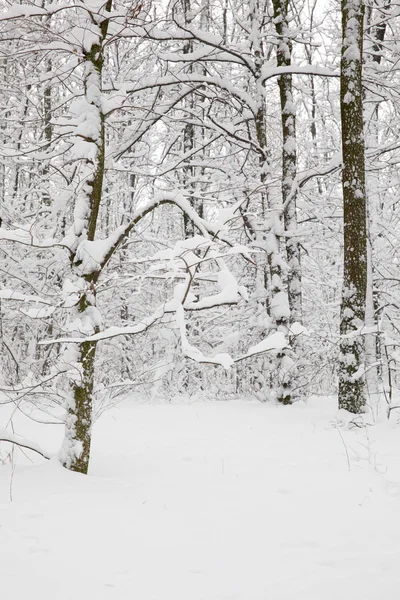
x: 207, y: 501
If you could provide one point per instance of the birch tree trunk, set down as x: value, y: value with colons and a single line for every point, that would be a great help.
x: 352, y: 311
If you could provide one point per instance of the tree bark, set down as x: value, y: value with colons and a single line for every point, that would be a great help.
x: 352, y: 311
x: 289, y: 158
x: 272, y: 213
x: 373, y: 354
x: 75, y: 453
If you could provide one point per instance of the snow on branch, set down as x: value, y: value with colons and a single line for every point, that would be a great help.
x: 183, y: 251
x: 336, y: 163
x: 26, y: 238
x: 24, y: 11
x: 8, y: 294
x: 91, y: 254
x: 195, y: 354
x: 16, y: 235
x: 364, y: 330
x: 112, y: 332
x: 194, y: 78
x: 21, y: 11
x: 12, y: 438
x: 269, y: 72
x: 207, y: 229
x: 230, y: 293
x: 277, y: 341
x: 156, y: 115
x: 94, y: 255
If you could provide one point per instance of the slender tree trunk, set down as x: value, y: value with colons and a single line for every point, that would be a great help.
x: 352, y: 312
x: 19, y: 145
x: 76, y: 446
x: 48, y: 133
x: 289, y: 158
x: 188, y: 130
x: 371, y: 114
x: 273, y: 227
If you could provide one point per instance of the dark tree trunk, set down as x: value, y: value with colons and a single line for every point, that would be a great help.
x: 352, y: 312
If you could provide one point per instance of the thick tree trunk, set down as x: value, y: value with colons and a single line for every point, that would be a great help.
x: 352, y: 312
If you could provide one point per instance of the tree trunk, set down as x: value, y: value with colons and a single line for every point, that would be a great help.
x: 289, y: 158
x: 189, y: 137
x: 373, y: 58
x: 352, y: 312
x: 75, y: 452
x: 273, y: 227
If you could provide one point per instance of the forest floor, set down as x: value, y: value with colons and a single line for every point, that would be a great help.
x: 207, y: 501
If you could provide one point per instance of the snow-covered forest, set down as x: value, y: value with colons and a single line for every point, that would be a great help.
x: 199, y: 282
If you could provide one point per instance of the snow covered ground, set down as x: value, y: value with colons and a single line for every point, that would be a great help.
x: 208, y: 501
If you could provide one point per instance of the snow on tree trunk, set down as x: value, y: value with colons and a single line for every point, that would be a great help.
x: 372, y: 60
x: 273, y: 228
x: 90, y: 148
x: 188, y: 131
x: 289, y: 158
x: 352, y: 312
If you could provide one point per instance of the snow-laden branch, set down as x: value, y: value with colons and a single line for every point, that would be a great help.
x: 115, y: 331
x: 217, y: 54
x: 278, y: 341
x: 8, y: 294
x: 183, y: 253
x: 12, y: 438
x: 110, y: 245
x: 155, y: 115
x: 194, y: 78
x: 194, y: 353
x: 364, y: 330
x: 225, y: 83
x: 16, y: 235
x: 26, y: 238
x: 183, y: 33
x: 230, y: 294
x: 24, y: 11
x: 334, y: 165
x: 275, y: 341
x: 268, y: 72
